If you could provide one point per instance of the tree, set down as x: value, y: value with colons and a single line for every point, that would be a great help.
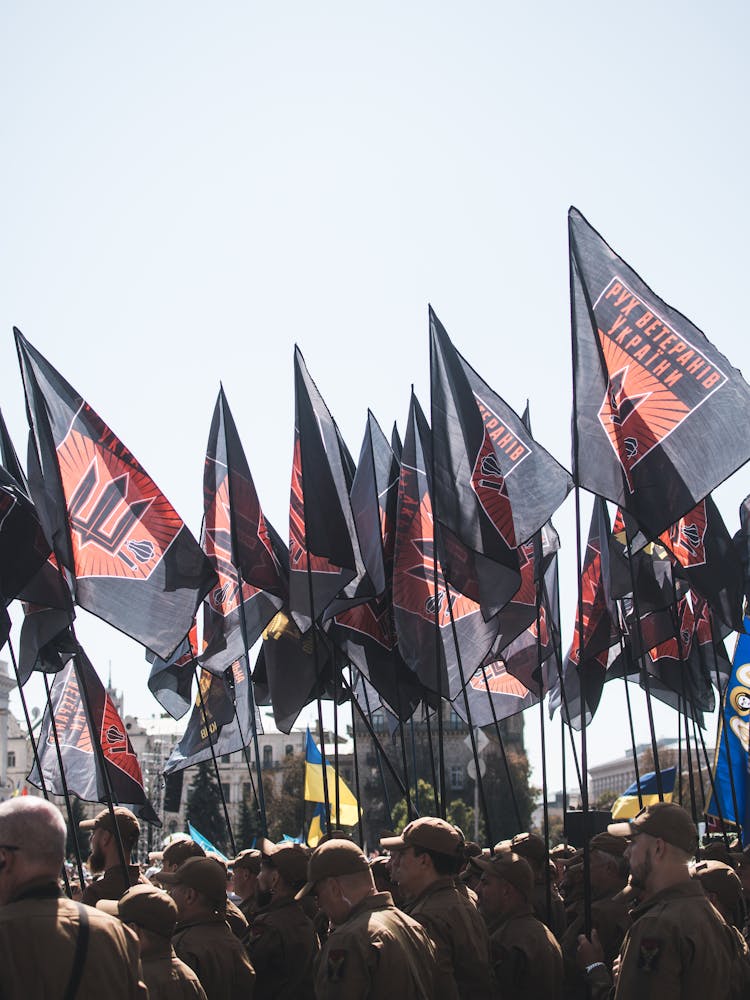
x: 204, y: 807
x: 286, y: 813
x: 459, y: 812
x: 250, y: 827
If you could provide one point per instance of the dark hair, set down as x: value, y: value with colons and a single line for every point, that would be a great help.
x: 444, y: 864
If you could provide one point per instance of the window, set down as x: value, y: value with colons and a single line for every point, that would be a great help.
x: 289, y: 750
x: 11, y: 758
x: 247, y: 791
x: 455, y: 721
x: 378, y: 721
x: 225, y: 758
x: 267, y: 756
x: 225, y: 790
x: 456, y: 777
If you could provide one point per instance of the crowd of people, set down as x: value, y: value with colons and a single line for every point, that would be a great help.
x: 430, y: 916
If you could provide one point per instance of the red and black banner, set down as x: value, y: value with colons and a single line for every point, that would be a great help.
x: 325, y: 562
x: 494, y: 486
x: 591, y: 651
x: 77, y: 732
x: 134, y: 562
x: 435, y: 624
x: 659, y: 410
x: 741, y: 542
x: 222, y: 718
x: 23, y: 546
x: 236, y: 537
x: 171, y: 681
x: 366, y: 632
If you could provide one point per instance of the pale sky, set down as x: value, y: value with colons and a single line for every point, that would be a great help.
x: 190, y: 189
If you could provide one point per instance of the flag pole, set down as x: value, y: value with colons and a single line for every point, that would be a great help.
x: 336, y: 789
x: 472, y: 734
x: 213, y: 758
x: 414, y: 762
x: 636, y: 767
x: 371, y: 732
x: 723, y: 728
x: 27, y: 717
x: 679, y: 748
x: 545, y: 804
x: 402, y: 740
x: 503, y: 752
x: 698, y: 763
x: 712, y: 782
x: 360, y: 825
x: 260, y: 812
x: 66, y: 793
x: 432, y: 751
x: 386, y: 796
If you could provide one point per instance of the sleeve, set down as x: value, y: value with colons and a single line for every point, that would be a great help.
x: 265, y: 947
x: 651, y: 964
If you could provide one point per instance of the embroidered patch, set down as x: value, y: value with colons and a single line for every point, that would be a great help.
x: 336, y: 965
x: 648, y: 956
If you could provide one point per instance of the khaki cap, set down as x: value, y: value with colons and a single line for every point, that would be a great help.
x: 529, y: 846
x: 249, y: 859
x: 289, y: 860
x: 608, y: 844
x: 146, y: 906
x: 666, y: 820
x: 332, y: 859
x: 720, y: 879
x: 180, y: 850
x: 562, y: 851
x: 205, y: 875
x: 429, y: 833
x: 510, y: 867
x: 716, y: 850
x: 127, y: 823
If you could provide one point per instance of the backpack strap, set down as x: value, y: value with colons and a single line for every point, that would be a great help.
x: 79, y: 959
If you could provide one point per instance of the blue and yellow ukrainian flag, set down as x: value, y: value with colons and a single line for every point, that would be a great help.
x: 627, y: 805
x: 317, y: 825
x: 348, y: 805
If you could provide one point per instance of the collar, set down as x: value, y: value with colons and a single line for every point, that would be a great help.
x: 39, y: 890
x: 377, y: 901
x: 681, y: 890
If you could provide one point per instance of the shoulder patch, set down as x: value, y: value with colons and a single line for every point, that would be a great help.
x: 648, y: 955
x: 336, y: 965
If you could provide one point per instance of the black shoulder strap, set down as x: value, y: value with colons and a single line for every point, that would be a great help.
x: 79, y: 959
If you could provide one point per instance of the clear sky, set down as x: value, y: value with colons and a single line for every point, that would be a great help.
x: 190, y: 189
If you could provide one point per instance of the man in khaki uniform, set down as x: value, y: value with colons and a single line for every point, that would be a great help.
x: 246, y: 868
x: 609, y: 912
x: 105, y: 854
x: 526, y: 959
x: 281, y: 942
x: 534, y: 850
x: 678, y: 947
x: 40, y: 930
x: 202, y: 937
x: 375, y: 952
x: 424, y: 861
x: 152, y: 914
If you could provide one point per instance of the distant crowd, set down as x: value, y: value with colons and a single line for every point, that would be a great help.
x: 431, y: 916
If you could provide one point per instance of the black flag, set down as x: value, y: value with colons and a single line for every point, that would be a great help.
x: 660, y: 415
x: 133, y: 561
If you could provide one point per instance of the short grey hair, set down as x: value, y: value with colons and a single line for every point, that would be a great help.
x: 35, y: 825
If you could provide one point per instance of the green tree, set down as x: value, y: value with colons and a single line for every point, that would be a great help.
x: 250, y: 826
x: 286, y: 812
x: 459, y: 812
x: 204, y: 807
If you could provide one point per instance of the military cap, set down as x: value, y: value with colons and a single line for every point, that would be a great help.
x: 561, y: 852
x: 332, y: 859
x: 289, y: 860
x: 127, y: 823
x: 180, y: 850
x: 720, y: 879
x: 249, y: 859
x: 429, y: 833
x: 510, y: 867
x: 666, y: 820
x: 205, y: 875
x: 716, y: 850
x: 146, y: 906
x: 608, y: 844
x: 529, y: 846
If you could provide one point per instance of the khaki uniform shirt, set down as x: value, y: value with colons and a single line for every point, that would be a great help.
x: 111, y: 885
x: 678, y: 948
x: 611, y: 919
x: 217, y: 957
x: 283, y: 946
x: 460, y: 937
x: 378, y: 953
x: 38, y: 935
x: 526, y: 958
x: 238, y: 922
x: 557, y: 921
x: 168, y: 978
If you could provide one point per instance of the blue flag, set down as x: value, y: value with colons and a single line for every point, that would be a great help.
x: 732, y: 755
x: 205, y: 843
